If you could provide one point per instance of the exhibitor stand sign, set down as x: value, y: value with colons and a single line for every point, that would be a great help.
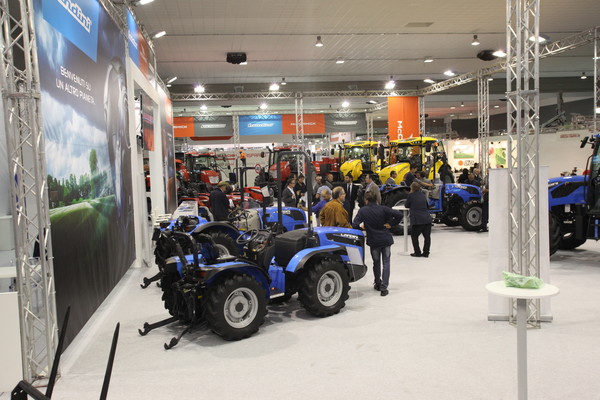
x: 81, y: 55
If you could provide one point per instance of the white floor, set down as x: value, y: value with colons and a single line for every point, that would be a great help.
x: 429, y: 339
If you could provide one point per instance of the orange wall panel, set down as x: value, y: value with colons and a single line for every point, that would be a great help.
x: 313, y: 124
x: 403, y: 117
x: 184, y: 126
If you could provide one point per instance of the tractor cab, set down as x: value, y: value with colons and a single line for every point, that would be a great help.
x: 204, y: 168
x: 426, y: 153
x: 594, y: 179
x: 359, y: 158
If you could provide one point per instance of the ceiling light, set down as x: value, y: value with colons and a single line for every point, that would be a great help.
x: 499, y: 53
x: 243, y: 63
x: 171, y: 80
x: 345, y: 104
x: 597, y: 110
x: 452, y: 115
x: 319, y: 43
x: 143, y: 2
x: 159, y: 34
x: 378, y: 117
x: 371, y: 102
x: 490, y: 79
x: 583, y: 75
x: 199, y: 89
x: 339, y: 61
x: 496, y: 106
x: 169, y: 85
x: 390, y: 84
x: 540, y: 39
x: 428, y: 80
x: 393, y: 94
x: 452, y: 108
x: 283, y: 82
x: 475, y: 41
x: 274, y: 87
x: 263, y: 106
x: 428, y: 59
x: 462, y: 103
x: 449, y: 73
x: 203, y: 107
x: 471, y: 113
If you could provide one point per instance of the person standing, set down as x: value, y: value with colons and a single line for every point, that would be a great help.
x: 289, y: 195
x: 420, y: 220
x: 333, y: 213
x: 328, y: 181
x: 243, y: 158
x: 219, y: 203
x: 372, y: 187
x: 378, y: 220
x: 392, y: 179
x: 351, y: 193
x: 409, y: 177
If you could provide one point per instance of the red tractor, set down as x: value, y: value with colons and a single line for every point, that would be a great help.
x: 201, y: 169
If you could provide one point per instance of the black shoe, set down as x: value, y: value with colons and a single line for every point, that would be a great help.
x: 415, y: 255
x: 425, y: 255
x: 376, y: 287
x: 483, y: 230
x: 384, y: 292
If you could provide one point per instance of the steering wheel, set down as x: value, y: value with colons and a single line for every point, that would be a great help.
x: 236, y: 214
x: 247, y: 237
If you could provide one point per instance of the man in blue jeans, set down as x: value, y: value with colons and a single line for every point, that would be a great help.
x: 378, y: 220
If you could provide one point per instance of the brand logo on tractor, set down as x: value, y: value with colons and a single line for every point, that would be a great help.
x: 348, y: 236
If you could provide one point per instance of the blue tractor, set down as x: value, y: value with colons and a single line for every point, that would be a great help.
x: 574, y: 204
x: 452, y: 203
x: 230, y: 294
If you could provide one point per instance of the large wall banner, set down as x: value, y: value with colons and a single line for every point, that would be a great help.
x: 184, y: 126
x: 81, y: 54
x: 168, y: 150
x: 213, y: 128
x: 403, y: 117
x: 260, y: 124
x: 346, y: 122
x: 138, y: 47
x: 313, y: 124
x: 147, y: 121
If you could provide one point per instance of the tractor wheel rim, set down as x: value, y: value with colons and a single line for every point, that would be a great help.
x: 241, y: 307
x: 474, y: 217
x: 222, y: 250
x: 329, y: 288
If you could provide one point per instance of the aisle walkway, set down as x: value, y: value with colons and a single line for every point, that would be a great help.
x: 429, y: 339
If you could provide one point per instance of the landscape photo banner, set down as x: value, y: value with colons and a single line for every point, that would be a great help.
x: 81, y: 55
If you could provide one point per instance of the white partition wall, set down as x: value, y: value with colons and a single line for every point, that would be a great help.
x: 10, y: 342
x: 498, y: 307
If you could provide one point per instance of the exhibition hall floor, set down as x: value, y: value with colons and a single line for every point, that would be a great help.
x: 428, y: 339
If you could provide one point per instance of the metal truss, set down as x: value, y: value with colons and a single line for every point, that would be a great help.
x: 522, y: 87
x: 596, y: 78
x: 299, y: 137
x: 285, y: 95
x: 560, y: 46
x: 369, y: 127
x: 422, y: 115
x: 29, y: 191
x: 483, y: 121
x: 236, y: 133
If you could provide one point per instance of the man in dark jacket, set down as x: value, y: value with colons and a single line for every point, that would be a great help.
x: 219, y: 203
x: 288, y: 196
x: 351, y: 193
x: 378, y: 220
x: 420, y: 219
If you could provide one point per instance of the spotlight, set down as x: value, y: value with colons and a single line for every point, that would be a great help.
x: 449, y: 73
x: 452, y: 108
x: 159, y: 34
x: 499, y: 53
x: 283, y: 82
x: 496, y: 106
x: 428, y: 59
x: 475, y: 41
x: 244, y: 63
x: 203, y: 107
x: 199, y: 89
x: 487, y: 55
x: 339, y: 61
x: 142, y: 2
x: 428, y: 80
x: 490, y: 79
x: 319, y: 43
x: 390, y: 84
x: 263, y: 106
x: 171, y: 80
x: 540, y: 39
x: 345, y: 104
x: 462, y: 103
x: 274, y: 87
x: 583, y: 76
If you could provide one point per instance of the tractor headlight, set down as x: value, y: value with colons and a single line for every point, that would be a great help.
x: 553, y: 184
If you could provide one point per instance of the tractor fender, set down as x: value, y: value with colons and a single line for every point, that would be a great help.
x: 218, y: 226
x: 303, y: 257
x: 215, y: 272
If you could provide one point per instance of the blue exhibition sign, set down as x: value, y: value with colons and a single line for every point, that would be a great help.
x: 260, y: 125
x: 77, y: 20
x: 132, y: 38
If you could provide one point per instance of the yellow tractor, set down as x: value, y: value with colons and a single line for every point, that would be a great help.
x: 426, y: 153
x: 359, y: 158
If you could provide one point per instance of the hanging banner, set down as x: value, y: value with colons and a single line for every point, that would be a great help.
x: 403, y: 117
x: 168, y: 150
x: 138, y: 47
x: 81, y: 55
x: 260, y: 125
x: 346, y: 122
x: 341, y: 137
x: 148, y: 122
x: 184, y: 126
x: 313, y: 124
x: 213, y: 128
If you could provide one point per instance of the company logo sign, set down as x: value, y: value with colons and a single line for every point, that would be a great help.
x: 260, y: 125
x: 345, y: 123
x: 77, y: 20
x: 213, y: 126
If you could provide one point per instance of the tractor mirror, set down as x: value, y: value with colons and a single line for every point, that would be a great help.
x: 584, y: 142
x: 262, y: 154
x: 332, y: 151
x: 428, y: 147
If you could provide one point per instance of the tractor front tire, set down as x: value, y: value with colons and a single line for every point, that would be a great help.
x: 555, y: 235
x: 324, y: 288
x: 471, y: 216
x: 450, y: 220
x: 236, y: 307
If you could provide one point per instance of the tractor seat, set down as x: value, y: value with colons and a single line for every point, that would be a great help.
x: 288, y: 244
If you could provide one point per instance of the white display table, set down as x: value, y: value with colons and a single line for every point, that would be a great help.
x: 404, y: 225
x: 522, y: 295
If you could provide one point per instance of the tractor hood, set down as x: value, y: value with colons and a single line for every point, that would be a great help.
x: 400, y: 168
x: 354, y: 167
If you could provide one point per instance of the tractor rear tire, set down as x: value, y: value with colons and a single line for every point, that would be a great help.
x: 570, y: 242
x: 450, y: 220
x: 236, y: 307
x: 224, y: 244
x: 393, y: 199
x: 555, y: 235
x: 471, y: 216
x: 324, y: 288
